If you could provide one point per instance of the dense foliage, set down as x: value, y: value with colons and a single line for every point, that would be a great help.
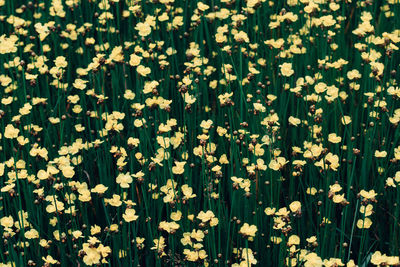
x: 186, y: 133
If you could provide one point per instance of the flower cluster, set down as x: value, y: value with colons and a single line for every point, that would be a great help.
x: 215, y: 133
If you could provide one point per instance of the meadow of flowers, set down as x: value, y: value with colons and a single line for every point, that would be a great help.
x: 199, y: 133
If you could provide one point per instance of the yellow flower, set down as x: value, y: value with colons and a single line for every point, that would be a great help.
x: 202, y: 7
x: 282, y: 212
x: 187, y: 192
x: 139, y: 174
x: 135, y: 60
x: 368, y: 195
x: 366, y: 210
x: 311, y: 191
x: 7, y: 100
x: 79, y: 128
x: 31, y: 234
x: 295, y: 206
x: 313, y: 260
x: 241, y: 37
x: 311, y: 239
x: 79, y: 84
x: 169, y: 227
x: 354, y: 74
x: 206, y: 124
x: 248, y: 257
x: 143, y: 28
x: 104, y: 251
x: 293, y: 240
x: 346, y: 120
x: 259, y: 107
x: 60, y: 62
x: 198, y: 235
x: 2, y: 166
x: 143, y: 71
x: 333, y: 138
x: 26, y: 109
x: 338, y: 198
x: 286, y: 69
x: 390, y: 182
x: 124, y: 180
x: 7, y: 222
x: 49, y: 260
x: 68, y: 171
x: 269, y: 211
x: 10, y: 132
x: 129, y: 94
x: 248, y: 230
x: 335, y: 188
x: 159, y: 245
x: 208, y: 217
x: 378, y: 259
x: 176, y: 216
x: 115, y: 201
x: 177, y: 21
x: 99, y: 189
x: 130, y: 215
x: 364, y: 224
x: 56, y: 206
x: 42, y: 175
x: 95, y: 229
x: 278, y: 163
x: 380, y: 154
x: 179, y: 167
x: 294, y: 121
x: 138, y: 123
x: 84, y: 195
x: 393, y: 260
x: 92, y: 256
x: 276, y: 240
x: 330, y: 161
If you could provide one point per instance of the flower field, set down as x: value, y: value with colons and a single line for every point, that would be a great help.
x: 199, y: 133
